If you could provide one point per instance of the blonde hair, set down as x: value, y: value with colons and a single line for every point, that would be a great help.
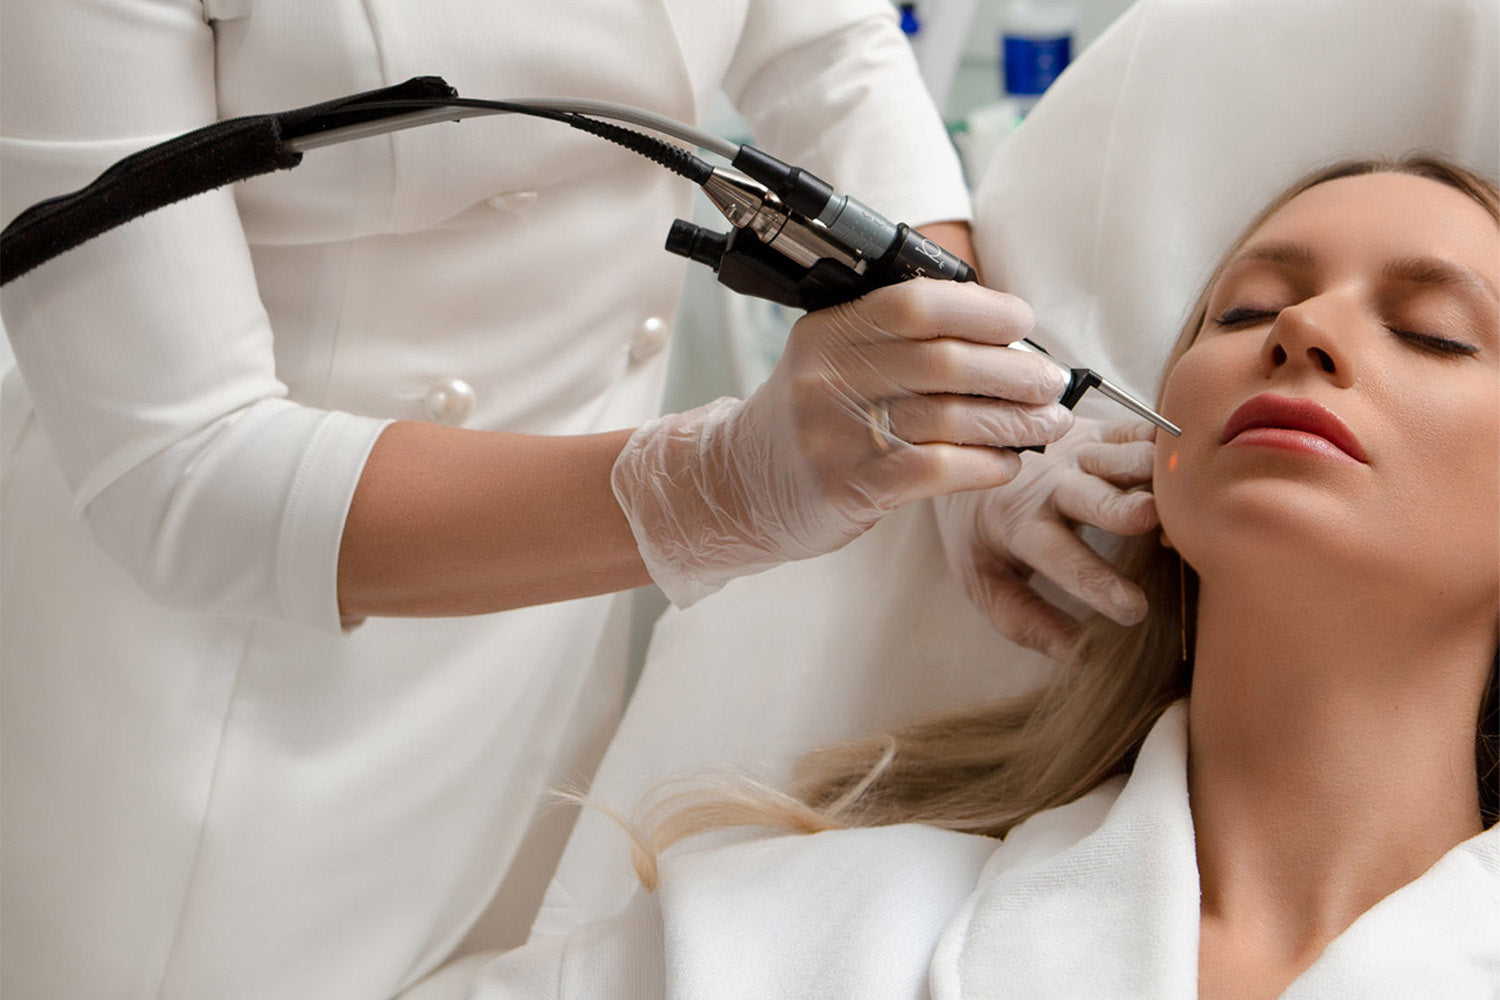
x: 985, y: 771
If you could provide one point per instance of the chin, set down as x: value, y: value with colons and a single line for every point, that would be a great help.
x: 1288, y: 527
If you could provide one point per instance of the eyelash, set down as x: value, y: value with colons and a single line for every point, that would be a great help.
x: 1243, y: 314
x: 1424, y: 341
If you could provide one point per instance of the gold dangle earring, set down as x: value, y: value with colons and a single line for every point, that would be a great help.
x: 1182, y: 595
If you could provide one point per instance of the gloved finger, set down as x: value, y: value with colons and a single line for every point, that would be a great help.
x: 1125, y: 431
x: 955, y: 366
x: 1086, y: 500
x: 1022, y: 615
x: 926, y: 309
x: 838, y: 422
x: 1122, y: 464
x: 1055, y: 551
x: 916, y: 472
x: 974, y: 420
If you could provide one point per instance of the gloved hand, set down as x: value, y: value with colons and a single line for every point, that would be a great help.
x: 902, y: 394
x: 995, y: 539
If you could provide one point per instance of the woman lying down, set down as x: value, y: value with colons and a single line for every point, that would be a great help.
x: 1283, y: 783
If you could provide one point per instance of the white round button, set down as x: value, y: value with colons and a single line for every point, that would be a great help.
x: 511, y: 201
x: 450, y: 402
x: 649, y: 339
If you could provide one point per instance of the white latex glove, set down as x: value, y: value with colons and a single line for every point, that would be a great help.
x: 903, y: 394
x: 995, y: 539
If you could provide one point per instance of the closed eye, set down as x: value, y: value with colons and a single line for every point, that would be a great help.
x: 1241, y: 315
x: 1244, y: 314
x: 1437, y: 345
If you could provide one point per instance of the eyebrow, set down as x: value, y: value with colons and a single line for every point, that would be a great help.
x: 1278, y: 252
x: 1432, y: 271
x: 1418, y: 270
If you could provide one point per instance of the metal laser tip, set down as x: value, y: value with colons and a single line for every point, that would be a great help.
x: 1137, y: 407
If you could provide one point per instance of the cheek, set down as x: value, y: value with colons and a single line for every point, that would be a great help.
x: 1196, y: 385
x: 1189, y: 399
x: 1453, y: 495
x: 1167, y: 484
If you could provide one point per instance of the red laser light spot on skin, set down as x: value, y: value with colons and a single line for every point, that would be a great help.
x: 1172, y: 462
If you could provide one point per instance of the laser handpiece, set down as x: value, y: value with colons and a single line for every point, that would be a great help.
x: 804, y: 245
x: 1080, y: 380
x: 835, y: 251
x: 795, y: 240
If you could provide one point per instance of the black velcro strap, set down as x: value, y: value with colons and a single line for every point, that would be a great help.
x: 189, y: 164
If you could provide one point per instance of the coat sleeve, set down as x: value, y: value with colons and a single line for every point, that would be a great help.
x: 834, y: 86
x: 147, y: 353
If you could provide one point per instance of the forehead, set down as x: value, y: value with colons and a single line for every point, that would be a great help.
x: 1389, y: 214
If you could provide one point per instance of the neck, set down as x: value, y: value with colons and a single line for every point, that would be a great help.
x: 1331, y: 762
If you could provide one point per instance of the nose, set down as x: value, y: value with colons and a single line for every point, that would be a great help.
x: 1311, y: 336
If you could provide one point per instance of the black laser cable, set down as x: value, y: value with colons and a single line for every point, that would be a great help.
x: 240, y: 148
x: 420, y: 112
x: 675, y: 158
x: 237, y: 149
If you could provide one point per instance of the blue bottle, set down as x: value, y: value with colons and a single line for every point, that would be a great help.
x: 1036, y: 45
x: 909, y: 23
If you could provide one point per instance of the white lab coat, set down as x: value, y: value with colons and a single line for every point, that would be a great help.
x: 1098, y: 899
x: 209, y: 791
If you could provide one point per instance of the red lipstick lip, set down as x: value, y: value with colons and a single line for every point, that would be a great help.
x: 1296, y: 414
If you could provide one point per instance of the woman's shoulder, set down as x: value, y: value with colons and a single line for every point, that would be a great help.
x: 1052, y: 831
x: 857, y: 860
x: 845, y: 912
x: 854, y: 912
x: 909, y: 869
x: 842, y: 913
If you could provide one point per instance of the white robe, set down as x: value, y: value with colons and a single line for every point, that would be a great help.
x: 1098, y: 899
